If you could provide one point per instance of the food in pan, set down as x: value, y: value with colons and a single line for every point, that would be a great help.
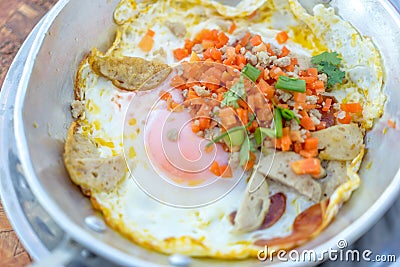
x: 213, y: 130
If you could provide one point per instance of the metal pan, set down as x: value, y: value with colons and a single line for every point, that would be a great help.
x: 41, y: 117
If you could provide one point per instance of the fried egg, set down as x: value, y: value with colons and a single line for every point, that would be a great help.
x: 175, y: 212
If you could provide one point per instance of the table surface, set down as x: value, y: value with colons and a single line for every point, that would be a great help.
x: 17, y: 19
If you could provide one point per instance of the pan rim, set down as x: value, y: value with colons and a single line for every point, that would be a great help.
x: 351, y: 233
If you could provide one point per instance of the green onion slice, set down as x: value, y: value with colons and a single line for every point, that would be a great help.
x: 230, y: 131
x: 288, y: 115
x: 278, y: 123
x: 261, y: 133
x: 251, y: 72
x: 291, y: 84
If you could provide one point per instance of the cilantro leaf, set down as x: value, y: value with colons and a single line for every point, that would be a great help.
x: 234, y: 94
x: 327, y: 57
x: 328, y: 63
x: 335, y: 75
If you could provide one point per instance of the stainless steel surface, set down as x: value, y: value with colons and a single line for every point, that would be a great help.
x: 43, y: 100
x: 178, y: 260
x: 96, y: 224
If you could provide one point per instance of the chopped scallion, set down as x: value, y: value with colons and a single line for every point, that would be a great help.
x: 230, y: 131
x: 278, y: 122
x: 261, y: 133
x: 251, y: 72
x: 288, y: 115
x: 291, y: 84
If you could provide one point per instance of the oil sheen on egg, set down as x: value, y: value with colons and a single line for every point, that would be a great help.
x: 147, y: 207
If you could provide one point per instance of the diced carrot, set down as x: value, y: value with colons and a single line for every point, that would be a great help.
x: 150, y: 33
x: 311, y: 144
x: 230, y: 51
x: 312, y: 72
x: 237, y: 48
x: 215, y: 53
x: 290, y: 68
x: 253, y: 126
x: 318, y: 86
x: 283, y: 106
x: 300, y: 106
x: 230, y: 61
x: 207, y: 43
x: 352, y: 107
x: 302, y: 73
x: 204, y: 123
x: 277, y: 143
x: 309, y: 80
x: 286, y: 131
x: 320, y: 99
x: 346, y: 119
x: 282, y: 37
x: 266, y: 89
x: 164, y: 95
x: 215, y: 169
x: 226, y: 171
x: 327, y: 105
x: 181, y: 53
x: 222, y: 40
x: 286, y: 142
x: 311, y: 106
x: 276, y: 72
x: 245, y: 40
x: 195, y: 127
x: 306, y: 121
x: 232, y: 28
x: 250, y: 163
x: 203, y: 34
x: 240, y: 60
x: 242, y: 114
x: 269, y: 50
x: 299, y: 97
x: 321, y: 126
x: 297, y: 147
x: 308, y: 153
x: 256, y: 40
x: 189, y: 45
x: 146, y: 44
x: 306, y: 166
x: 214, y: 34
x: 391, y: 123
x: 285, y: 52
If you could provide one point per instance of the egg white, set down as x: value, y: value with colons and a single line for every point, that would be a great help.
x: 206, y: 231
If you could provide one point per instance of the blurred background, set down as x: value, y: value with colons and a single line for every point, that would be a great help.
x: 17, y: 19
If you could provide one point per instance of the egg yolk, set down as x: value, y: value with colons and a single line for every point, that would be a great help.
x: 177, y: 153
